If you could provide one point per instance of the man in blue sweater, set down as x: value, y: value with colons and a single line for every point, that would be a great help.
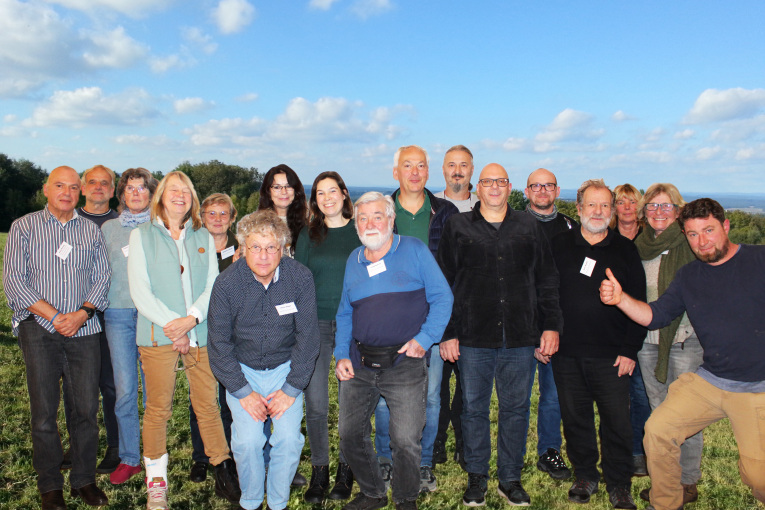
x: 723, y: 293
x: 394, y: 306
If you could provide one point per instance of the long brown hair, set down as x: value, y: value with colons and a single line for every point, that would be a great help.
x: 297, y: 213
x: 317, y: 229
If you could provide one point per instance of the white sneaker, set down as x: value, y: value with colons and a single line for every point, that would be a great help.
x: 156, y: 494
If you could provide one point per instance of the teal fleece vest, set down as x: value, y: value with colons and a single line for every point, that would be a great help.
x: 164, y: 268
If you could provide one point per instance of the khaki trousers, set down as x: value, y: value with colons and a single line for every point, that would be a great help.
x: 691, y: 405
x: 158, y: 366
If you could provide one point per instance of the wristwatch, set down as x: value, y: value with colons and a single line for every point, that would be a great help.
x: 90, y: 311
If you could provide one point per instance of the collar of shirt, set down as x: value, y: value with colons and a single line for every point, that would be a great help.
x: 53, y: 218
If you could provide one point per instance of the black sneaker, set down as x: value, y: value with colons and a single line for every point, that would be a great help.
x: 581, y: 490
x: 620, y: 497
x: 513, y: 492
x: 439, y: 453
x: 553, y: 464
x: 475, y: 495
x: 299, y: 480
x: 362, y: 502
x: 427, y: 480
x: 639, y: 467
x: 110, y: 461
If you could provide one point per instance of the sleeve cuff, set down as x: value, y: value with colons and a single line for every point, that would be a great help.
x: 242, y: 392
x: 194, y: 312
x: 290, y: 390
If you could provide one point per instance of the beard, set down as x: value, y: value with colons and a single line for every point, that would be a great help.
x: 457, y: 187
x: 716, y: 256
x: 592, y: 229
x: 375, y: 242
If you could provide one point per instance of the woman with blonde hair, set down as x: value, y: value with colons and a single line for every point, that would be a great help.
x: 625, y: 220
x: 171, y: 271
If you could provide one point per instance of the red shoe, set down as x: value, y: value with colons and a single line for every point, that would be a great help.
x: 123, y: 473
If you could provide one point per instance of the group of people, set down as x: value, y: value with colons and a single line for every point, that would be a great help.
x: 404, y: 291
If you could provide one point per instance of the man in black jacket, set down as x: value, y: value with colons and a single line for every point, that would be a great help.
x: 418, y: 214
x: 505, y: 284
x: 598, y: 347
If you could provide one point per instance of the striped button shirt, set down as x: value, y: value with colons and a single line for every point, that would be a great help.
x: 32, y: 271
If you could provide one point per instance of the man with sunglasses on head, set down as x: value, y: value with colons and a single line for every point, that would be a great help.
x: 501, y: 270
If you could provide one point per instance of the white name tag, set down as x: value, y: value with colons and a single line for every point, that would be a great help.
x: 125, y: 250
x: 286, y: 308
x: 587, y: 266
x: 64, y: 250
x: 376, y: 268
x: 228, y: 252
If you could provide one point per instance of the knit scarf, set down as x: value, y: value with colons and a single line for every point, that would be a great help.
x: 650, y: 246
x: 128, y: 219
x: 543, y: 217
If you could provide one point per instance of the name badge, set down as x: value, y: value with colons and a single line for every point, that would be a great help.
x: 228, y: 252
x: 587, y: 267
x: 125, y: 250
x: 286, y: 308
x: 376, y: 268
x: 64, y: 250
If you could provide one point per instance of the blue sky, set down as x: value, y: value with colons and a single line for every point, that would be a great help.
x: 634, y: 92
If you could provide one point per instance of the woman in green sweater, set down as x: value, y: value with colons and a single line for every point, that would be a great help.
x: 324, y: 246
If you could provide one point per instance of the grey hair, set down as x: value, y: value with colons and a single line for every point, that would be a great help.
x: 264, y: 222
x: 593, y: 183
x: 406, y: 147
x: 376, y: 196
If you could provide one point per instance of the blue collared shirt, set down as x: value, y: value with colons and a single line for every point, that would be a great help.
x: 32, y: 271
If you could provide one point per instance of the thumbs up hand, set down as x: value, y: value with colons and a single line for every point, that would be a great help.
x: 610, y: 289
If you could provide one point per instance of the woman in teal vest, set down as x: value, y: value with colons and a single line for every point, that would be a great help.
x: 171, y: 271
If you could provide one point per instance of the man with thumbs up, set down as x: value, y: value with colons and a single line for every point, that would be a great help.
x: 598, y: 348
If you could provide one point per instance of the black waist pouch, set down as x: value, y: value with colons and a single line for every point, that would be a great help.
x: 378, y: 357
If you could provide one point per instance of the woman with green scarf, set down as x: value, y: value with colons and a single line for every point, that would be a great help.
x: 675, y: 349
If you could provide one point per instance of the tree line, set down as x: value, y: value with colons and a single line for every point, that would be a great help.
x: 21, y: 184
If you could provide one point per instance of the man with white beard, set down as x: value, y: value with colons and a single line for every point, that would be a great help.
x: 395, y: 305
x: 598, y: 347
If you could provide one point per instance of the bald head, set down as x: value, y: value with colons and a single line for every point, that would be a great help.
x: 494, y: 195
x: 542, y: 190
x: 59, y: 171
x: 63, y: 192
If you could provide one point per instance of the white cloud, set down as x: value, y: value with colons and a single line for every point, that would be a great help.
x: 232, y: 16
x: 198, y: 38
x: 235, y: 131
x: 620, y: 116
x: 515, y: 144
x: 685, y: 134
x: 191, y: 104
x: 90, y: 106
x: 367, y: 8
x: 151, y: 141
x: 706, y: 153
x: 568, y: 125
x: 133, y: 8
x: 322, y: 5
x: 247, y: 98
x: 9, y: 118
x: 720, y: 105
x: 114, y: 49
x: 163, y: 64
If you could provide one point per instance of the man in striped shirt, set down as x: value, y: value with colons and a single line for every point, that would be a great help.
x: 55, y: 275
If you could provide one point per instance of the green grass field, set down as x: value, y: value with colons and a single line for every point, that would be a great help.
x: 720, y: 488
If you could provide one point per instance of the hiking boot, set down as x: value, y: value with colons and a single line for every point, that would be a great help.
x: 318, y: 486
x: 198, y: 473
x: 363, y: 502
x: 427, y: 480
x: 123, y: 473
x: 439, y: 453
x: 513, y: 492
x: 386, y: 470
x: 475, y: 494
x: 553, y: 464
x: 156, y: 494
x: 620, y: 497
x: 343, y: 482
x: 227, y: 482
x: 690, y: 494
x: 110, y: 461
x: 581, y: 490
x: 639, y: 466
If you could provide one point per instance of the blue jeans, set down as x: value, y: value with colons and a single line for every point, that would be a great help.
x: 404, y: 387
x: 120, y: 330
x: 640, y: 409
x: 432, y: 410
x: 248, y: 440
x: 683, y: 357
x: 48, y: 358
x: 511, y: 371
x: 548, y: 410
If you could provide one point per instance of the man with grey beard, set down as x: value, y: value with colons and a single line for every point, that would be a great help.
x: 598, y: 347
x: 394, y: 306
x: 458, y: 170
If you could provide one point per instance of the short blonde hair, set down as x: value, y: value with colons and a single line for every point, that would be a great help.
x: 220, y: 199
x: 158, y: 210
x: 621, y: 191
x: 656, y: 189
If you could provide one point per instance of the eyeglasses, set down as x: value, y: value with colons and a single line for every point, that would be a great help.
x: 136, y: 189
x: 550, y: 186
x: 181, y: 368
x: 279, y: 187
x: 663, y: 207
x: 215, y: 214
x: 270, y: 249
x: 488, y: 183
